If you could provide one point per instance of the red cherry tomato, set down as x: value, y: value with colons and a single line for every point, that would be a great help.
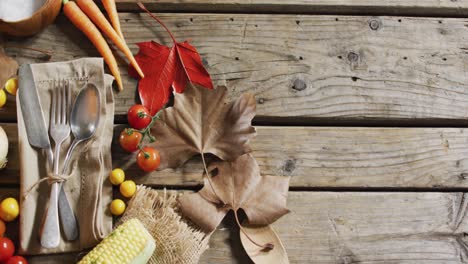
x: 148, y: 159
x: 138, y: 117
x: 6, y: 249
x: 17, y: 260
x: 129, y: 139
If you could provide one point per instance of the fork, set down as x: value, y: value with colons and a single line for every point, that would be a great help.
x: 59, y: 130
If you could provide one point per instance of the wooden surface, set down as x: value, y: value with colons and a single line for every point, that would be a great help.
x: 367, y: 113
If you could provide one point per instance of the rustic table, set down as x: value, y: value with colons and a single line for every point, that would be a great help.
x: 364, y: 104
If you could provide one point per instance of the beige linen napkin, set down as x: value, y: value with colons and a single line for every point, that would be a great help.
x: 87, y: 189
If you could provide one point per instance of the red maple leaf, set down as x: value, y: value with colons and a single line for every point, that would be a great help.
x: 166, y: 68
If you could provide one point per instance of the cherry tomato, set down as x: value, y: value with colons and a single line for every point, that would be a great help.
x: 17, y: 260
x: 6, y: 249
x: 138, y: 117
x: 129, y: 139
x: 148, y: 159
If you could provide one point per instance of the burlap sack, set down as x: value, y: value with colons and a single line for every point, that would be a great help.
x: 177, y: 241
x: 88, y: 192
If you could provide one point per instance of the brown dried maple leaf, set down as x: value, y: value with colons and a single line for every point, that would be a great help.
x: 8, y: 68
x: 201, y: 122
x: 239, y: 185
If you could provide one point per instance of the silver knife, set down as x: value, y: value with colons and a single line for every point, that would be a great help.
x: 32, y: 114
x: 38, y: 137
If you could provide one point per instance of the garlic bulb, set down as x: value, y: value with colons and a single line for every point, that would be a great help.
x: 3, y: 148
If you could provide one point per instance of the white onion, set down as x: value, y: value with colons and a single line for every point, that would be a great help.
x: 3, y: 148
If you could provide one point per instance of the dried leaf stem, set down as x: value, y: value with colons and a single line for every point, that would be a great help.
x: 265, y: 247
x: 211, y: 184
x: 158, y: 20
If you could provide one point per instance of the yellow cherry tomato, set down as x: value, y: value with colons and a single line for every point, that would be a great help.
x: 117, y: 207
x: 9, y: 209
x: 11, y: 86
x: 2, y: 228
x: 128, y: 188
x: 2, y: 98
x: 117, y: 176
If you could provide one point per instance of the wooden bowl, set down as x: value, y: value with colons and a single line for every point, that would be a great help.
x: 43, y: 17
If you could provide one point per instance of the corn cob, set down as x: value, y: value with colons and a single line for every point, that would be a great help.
x: 130, y: 243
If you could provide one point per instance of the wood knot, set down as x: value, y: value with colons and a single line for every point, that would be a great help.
x: 260, y: 100
x: 205, y: 62
x: 353, y: 57
x: 374, y: 24
x: 463, y: 176
x: 289, y: 166
x: 299, y: 85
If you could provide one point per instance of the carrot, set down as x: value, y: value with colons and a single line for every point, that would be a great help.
x: 82, y: 22
x: 94, y: 13
x: 111, y: 10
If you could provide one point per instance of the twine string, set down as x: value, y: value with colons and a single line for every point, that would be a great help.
x: 50, y: 179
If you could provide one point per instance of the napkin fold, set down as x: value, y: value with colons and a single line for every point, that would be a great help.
x: 87, y: 189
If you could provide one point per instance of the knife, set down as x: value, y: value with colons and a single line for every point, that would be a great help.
x: 32, y: 114
x: 38, y: 137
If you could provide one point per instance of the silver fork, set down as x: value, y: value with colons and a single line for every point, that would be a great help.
x: 59, y: 130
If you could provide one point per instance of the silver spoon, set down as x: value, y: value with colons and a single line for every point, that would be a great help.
x: 84, y: 121
x: 84, y: 118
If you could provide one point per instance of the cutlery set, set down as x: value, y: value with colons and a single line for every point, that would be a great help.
x: 81, y: 119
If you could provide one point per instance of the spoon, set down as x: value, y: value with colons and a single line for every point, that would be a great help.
x: 84, y: 121
x: 84, y: 118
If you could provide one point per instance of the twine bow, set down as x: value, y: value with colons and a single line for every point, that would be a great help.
x: 51, y: 179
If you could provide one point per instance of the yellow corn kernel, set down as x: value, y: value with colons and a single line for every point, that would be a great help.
x: 130, y: 243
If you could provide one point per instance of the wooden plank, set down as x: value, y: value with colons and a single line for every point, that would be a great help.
x: 352, y: 227
x: 341, y: 157
x: 355, y: 7
x: 306, y: 67
x: 325, y: 157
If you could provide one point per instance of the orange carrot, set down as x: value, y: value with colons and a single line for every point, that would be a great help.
x: 94, y: 13
x: 111, y: 10
x: 82, y: 22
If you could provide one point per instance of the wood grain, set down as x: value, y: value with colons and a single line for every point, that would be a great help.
x: 324, y: 157
x: 304, y: 67
x: 355, y: 227
x: 356, y: 7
